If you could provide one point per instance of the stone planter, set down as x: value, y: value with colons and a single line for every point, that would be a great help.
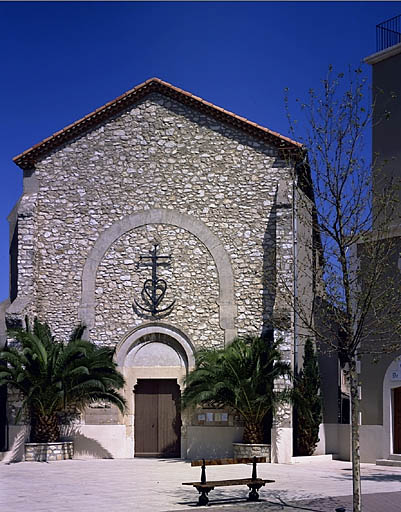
x: 252, y: 450
x: 46, y: 452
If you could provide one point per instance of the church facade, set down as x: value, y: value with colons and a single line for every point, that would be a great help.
x: 164, y: 224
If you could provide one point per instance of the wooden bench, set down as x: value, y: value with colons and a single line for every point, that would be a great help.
x: 204, y: 487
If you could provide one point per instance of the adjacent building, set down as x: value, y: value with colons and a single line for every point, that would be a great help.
x: 381, y: 377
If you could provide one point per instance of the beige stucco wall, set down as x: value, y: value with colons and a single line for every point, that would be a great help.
x: 386, y: 148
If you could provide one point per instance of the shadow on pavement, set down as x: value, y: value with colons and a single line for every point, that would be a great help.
x: 373, y: 477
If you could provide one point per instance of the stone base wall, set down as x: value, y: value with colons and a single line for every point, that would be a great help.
x: 252, y: 450
x: 47, y: 452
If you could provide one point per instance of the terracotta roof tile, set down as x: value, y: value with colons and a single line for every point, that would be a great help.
x: 28, y: 158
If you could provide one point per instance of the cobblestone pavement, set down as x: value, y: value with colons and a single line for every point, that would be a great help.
x: 154, y: 485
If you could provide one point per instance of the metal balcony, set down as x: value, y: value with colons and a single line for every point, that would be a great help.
x: 388, y: 33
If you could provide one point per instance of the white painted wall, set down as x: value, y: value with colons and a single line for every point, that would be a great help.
x: 101, y: 442
x: 321, y: 445
x: 372, y: 443
x: 335, y: 440
x: 281, y: 445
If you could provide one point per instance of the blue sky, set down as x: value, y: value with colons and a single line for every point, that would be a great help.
x: 61, y: 60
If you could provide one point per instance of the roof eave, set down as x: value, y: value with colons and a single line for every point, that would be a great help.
x: 391, y: 51
x: 28, y: 158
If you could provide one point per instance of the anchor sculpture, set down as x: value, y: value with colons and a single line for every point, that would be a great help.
x: 154, y: 289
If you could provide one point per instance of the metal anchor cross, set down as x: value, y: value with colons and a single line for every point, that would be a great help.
x: 154, y: 289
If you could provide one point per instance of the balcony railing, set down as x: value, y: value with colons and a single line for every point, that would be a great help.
x: 388, y: 33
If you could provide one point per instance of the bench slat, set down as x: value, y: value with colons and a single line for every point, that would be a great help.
x: 222, y: 483
x: 220, y: 462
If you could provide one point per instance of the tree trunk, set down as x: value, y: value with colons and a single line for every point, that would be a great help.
x: 253, y: 433
x: 44, y: 428
x: 355, y: 454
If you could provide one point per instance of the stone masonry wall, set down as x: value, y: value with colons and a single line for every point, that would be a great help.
x: 158, y: 154
x: 47, y: 452
x: 191, y: 277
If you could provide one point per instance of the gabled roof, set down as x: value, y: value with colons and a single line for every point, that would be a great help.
x: 28, y: 158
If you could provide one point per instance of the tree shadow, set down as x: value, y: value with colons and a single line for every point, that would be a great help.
x: 317, y: 504
x: 374, y: 477
x: 271, y: 499
x: 382, y: 478
x: 269, y: 271
x: 16, y: 451
x: 84, y: 446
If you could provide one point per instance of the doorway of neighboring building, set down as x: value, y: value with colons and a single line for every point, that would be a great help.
x: 397, y: 421
x: 3, y: 419
x: 157, y: 418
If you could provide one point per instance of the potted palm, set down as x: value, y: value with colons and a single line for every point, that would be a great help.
x: 53, y: 377
x: 240, y: 376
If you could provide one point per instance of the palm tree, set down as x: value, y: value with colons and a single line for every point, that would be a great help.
x: 53, y: 377
x: 241, y: 377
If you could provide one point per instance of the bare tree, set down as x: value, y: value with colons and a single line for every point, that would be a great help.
x: 347, y: 293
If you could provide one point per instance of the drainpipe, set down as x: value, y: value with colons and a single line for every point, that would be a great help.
x: 295, y: 262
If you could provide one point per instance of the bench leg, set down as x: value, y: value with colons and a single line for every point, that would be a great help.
x: 203, y: 499
x: 203, y: 492
x: 254, y: 495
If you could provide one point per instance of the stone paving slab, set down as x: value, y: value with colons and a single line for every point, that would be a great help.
x: 154, y: 485
x: 387, y: 502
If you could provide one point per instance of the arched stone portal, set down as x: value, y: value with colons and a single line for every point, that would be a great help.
x: 194, y: 226
x: 155, y: 358
x: 132, y: 345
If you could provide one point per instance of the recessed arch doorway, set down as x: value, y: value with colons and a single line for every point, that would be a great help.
x: 155, y: 360
x: 157, y: 418
x: 397, y: 420
x: 392, y: 409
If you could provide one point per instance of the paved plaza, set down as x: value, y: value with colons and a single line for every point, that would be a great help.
x: 146, y: 485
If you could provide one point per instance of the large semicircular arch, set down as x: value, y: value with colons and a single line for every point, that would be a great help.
x: 194, y: 226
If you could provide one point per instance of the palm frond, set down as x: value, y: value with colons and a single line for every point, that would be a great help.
x: 240, y: 376
x: 52, y: 375
x: 77, y: 333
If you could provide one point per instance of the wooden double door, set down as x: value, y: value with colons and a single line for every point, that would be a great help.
x: 157, y: 418
x: 397, y: 420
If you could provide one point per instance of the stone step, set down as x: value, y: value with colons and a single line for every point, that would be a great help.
x: 388, y: 462
x: 395, y: 456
